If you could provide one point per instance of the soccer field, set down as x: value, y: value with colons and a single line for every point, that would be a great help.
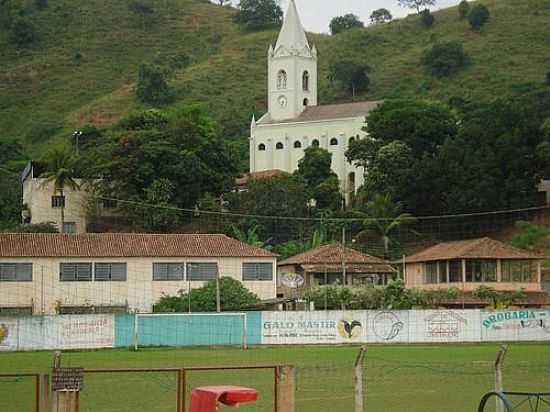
x: 397, y: 378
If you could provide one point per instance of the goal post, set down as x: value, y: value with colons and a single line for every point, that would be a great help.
x: 190, y: 329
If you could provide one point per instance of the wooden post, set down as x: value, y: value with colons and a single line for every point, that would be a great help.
x: 45, y: 395
x: 56, y: 365
x: 498, y: 376
x: 181, y: 391
x: 68, y: 401
x: 286, y: 388
x: 359, y: 398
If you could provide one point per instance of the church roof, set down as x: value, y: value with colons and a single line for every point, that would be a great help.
x: 330, y: 112
x: 292, y: 36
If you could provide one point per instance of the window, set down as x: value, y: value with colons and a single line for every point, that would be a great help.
x: 315, y: 143
x: 519, y: 271
x: 202, y: 271
x: 15, y: 272
x: 75, y: 272
x: 306, y: 102
x: 69, y: 227
x: 58, y: 201
x: 261, y: 147
x: 279, y: 146
x: 455, y: 271
x: 481, y: 270
x: 430, y: 272
x: 334, y: 141
x: 109, y: 204
x: 115, y: 272
x: 281, y: 80
x: 257, y: 271
x: 443, y: 271
x: 305, y: 81
x: 351, y: 140
x: 169, y: 271
x: 15, y: 311
x: 297, y: 144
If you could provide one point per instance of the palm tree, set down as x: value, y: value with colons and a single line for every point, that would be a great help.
x: 384, y: 218
x: 60, y: 169
x: 250, y: 237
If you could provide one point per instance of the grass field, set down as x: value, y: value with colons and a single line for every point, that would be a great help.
x: 397, y: 378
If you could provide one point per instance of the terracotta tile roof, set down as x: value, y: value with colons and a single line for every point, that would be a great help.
x: 264, y: 174
x: 331, y: 254
x: 125, y: 245
x: 332, y: 111
x: 482, y: 248
x: 350, y: 268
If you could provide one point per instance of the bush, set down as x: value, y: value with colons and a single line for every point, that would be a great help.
x: 427, y: 18
x: 344, y: 23
x: 478, y: 16
x: 463, y: 9
x: 152, y: 86
x: 548, y: 77
x: 41, y: 4
x: 444, y: 59
x: 33, y: 228
x: 23, y: 32
x: 258, y: 14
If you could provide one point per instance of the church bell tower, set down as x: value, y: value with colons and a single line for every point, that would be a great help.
x: 292, y: 70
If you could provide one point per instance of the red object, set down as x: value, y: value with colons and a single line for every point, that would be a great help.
x: 206, y: 398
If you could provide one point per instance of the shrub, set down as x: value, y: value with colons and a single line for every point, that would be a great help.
x: 344, y: 23
x: 463, y: 9
x: 23, y: 32
x: 444, y: 59
x: 258, y: 14
x: 41, y: 4
x: 548, y: 77
x: 152, y: 86
x: 478, y: 16
x: 427, y: 18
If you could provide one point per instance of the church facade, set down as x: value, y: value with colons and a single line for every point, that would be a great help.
x: 294, y: 120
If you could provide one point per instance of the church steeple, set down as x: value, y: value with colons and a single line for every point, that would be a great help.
x: 292, y: 38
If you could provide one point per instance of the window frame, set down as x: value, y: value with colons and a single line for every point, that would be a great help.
x: 193, y: 278
x: 315, y: 143
x: 58, y: 201
x: 476, y: 271
x: 257, y: 277
x: 430, y: 273
x: 261, y: 147
x: 110, y: 275
x: 305, y: 81
x: 76, y: 265
x: 17, y: 277
x: 168, y: 277
x: 282, y: 79
x: 334, y: 141
x: 279, y: 146
x: 297, y: 144
x: 525, y: 276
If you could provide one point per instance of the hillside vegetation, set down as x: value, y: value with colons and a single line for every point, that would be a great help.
x: 83, y: 66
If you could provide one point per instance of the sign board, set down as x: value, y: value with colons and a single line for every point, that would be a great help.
x: 293, y: 280
x: 388, y: 326
x: 67, y: 379
x: 515, y: 325
x: 443, y: 325
x: 9, y: 331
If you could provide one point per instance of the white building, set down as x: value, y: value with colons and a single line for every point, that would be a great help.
x: 62, y: 273
x: 294, y: 120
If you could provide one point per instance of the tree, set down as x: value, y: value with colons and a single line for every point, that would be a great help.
x: 295, y: 247
x: 152, y: 86
x: 41, y: 4
x: 143, y: 8
x: 160, y: 193
x: 233, y: 297
x: 60, y: 166
x: 32, y: 228
x: 498, y: 299
x: 258, y: 14
x: 529, y: 234
x: 548, y: 77
x: 384, y: 218
x: 380, y: 16
x: 352, y: 75
x: 417, y: 5
x: 463, y: 9
x: 344, y: 23
x: 479, y: 15
x: 445, y: 59
x: 23, y: 32
x: 427, y: 18
x: 250, y: 236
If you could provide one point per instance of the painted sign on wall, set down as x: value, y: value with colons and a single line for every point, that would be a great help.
x: 444, y: 326
x: 525, y: 324
x: 9, y: 332
x: 388, y: 326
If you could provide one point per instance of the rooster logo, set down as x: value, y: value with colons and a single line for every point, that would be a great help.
x: 4, y: 333
x: 349, y: 330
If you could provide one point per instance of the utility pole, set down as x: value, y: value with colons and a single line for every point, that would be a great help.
x: 343, y: 256
x: 218, y: 303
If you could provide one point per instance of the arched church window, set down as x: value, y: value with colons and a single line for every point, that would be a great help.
x: 281, y: 80
x: 351, y: 140
x: 279, y: 146
x: 334, y: 141
x: 306, y: 102
x: 297, y: 144
x: 305, y: 81
x: 261, y: 147
x: 315, y: 143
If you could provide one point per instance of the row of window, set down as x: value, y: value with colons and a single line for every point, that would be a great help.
x: 479, y: 271
x: 298, y: 144
x: 59, y: 202
x: 117, y: 272
x: 282, y: 80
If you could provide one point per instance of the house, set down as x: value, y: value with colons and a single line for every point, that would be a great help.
x: 467, y: 264
x: 75, y: 273
x: 295, y: 121
x: 330, y: 264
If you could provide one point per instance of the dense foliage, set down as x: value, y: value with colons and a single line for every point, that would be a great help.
x: 344, y: 23
x: 498, y: 299
x: 478, y: 16
x: 152, y: 86
x: 427, y: 18
x: 417, y: 5
x: 258, y: 14
x: 463, y: 9
x: 444, y: 59
x: 380, y: 16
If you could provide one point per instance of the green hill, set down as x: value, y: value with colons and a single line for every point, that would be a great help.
x: 83, y: 66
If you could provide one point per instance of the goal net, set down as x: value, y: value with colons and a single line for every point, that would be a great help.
x: 190, y: 329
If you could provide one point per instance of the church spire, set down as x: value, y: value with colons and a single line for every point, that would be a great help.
x: 292, y: 36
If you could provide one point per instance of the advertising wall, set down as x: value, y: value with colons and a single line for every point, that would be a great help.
x: 515, y: 325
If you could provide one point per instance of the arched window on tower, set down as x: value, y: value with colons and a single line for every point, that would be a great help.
x: 351, y: 140
x: 305, y: 81
x: 334, y: 141
x: 281, y: 80
x: 315, y: 143
x: 306, y: 102
x: 297, y: 144
x: 261, y: 147
x: 279, y: 146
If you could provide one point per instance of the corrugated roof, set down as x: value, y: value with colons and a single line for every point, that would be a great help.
x: 332, y: 112
x: 125, y: 245
x: 263, y: 174
x: 332, y: 254
x: 482, y: 248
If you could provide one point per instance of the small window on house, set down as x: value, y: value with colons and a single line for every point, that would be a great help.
x: 109, y: 204
x: 443, y: 272
x: 315, y: 143
x: 305, y: 81
x: 169, y: 271
x: 69, y: 227
x: 257, y: 271
x: 202, y: 271
x: 519, y: 271
x: 430, y: 273
x: 279, y: 146
x: 281, y: 80
x: 114, y: 272
x: 15, y: 311
x: 75, y: 272
x: 15, y: 272
x: 455, y: 271
x: 297, y: 144
x: 58, y: 201
x: 334, y: 141
x: 261, y: 147
x: 481, y: 270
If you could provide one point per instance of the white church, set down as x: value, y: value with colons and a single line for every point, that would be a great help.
x: 295, y: 120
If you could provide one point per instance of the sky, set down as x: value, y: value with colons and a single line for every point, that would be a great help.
x: 316, y: 14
